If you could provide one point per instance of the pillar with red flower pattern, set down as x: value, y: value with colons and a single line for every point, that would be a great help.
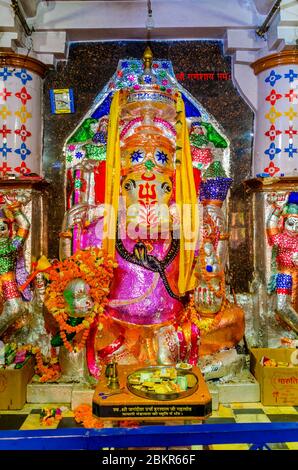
x: 276, y: 125
x: 20, y: 114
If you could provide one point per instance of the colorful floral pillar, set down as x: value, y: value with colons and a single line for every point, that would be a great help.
x: 276, y: 126
x: 20, y: 114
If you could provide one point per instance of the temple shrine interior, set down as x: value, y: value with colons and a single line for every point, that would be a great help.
x: 149, y: 222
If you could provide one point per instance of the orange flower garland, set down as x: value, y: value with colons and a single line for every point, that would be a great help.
x: 83, y: 415
x: 96, y: 269
x: 204, y: 324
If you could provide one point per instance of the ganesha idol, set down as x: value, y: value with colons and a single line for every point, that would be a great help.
x: 143, y: 211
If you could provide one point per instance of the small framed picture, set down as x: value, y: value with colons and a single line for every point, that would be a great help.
x: 62, y: 101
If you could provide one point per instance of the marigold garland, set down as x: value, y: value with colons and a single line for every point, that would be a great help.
x: 50, y: 372
x: 96, y: 269
x: 205, y: 324
x: 83, y: 415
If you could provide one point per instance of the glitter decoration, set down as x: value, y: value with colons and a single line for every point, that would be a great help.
x: 215, y: 189
x: 198, y: 140
x: 71, y: 148
x: 284, y: 281
x: 137, y: 156
x: 5, y: 73
x: 147, y: 78
x: 272, y: 78
x: 24, y: 76
x: 131, y: 123
x: 79, y: 155
x: 84, y: 132
x: 9, y: 288
x: 272, y: 151
x: 94, y: 152
x: 213, y: 136
x: 203, y: 156
x: 293, y: 199
x: 165, y: 124
x: 162, y: 74
x: 149, y: 165
x: 161, y: 157
x: 272, y: 133
x: 131, y: 78
x: 100, y: 138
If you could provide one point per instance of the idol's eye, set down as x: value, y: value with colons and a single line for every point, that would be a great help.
x: 3, y: 228
x: 161, y: 157
x: 291, y: 223
x: 129, y: 185
x: 166, y: 188
x: 137, y: 156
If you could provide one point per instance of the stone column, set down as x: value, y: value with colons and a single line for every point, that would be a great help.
x: 276, y: 124
x: 20, y: 115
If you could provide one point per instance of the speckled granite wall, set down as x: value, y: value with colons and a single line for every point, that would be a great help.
x: 89, y: 67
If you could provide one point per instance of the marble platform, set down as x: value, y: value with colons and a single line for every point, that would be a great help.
x: 242, y: 388
x: 75, y: 394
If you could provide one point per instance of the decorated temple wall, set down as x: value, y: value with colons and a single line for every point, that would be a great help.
x: 205, y: 72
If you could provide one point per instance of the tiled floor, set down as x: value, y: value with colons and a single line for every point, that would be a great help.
x: 28, y: 419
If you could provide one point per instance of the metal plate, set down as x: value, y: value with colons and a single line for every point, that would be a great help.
x: 192, y: 380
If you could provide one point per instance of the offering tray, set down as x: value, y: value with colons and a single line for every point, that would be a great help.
x: 162, y: 383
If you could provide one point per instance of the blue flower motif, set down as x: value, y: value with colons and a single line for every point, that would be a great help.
x: 5, y: 74
x: 147, y: 79
x: 23, y: 151
x: 5, y: 150
x: 124, y: 64
x: 291, y: 150
x: 165, y: 65
x: 137, y: 156
x: 79, y: 155
x: 100, y: 138
x: 272, y: 78
x: 272, y: 151
x: 161, y: 157
x: 291, y: 75
x: 24, y: 76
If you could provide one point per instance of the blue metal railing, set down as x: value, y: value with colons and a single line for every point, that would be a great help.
x: 258, y: 435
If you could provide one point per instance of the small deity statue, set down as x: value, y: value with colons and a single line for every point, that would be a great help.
x: 12, y: 269
x: 78, y: 306
x: 221, y: 324
x: 282, y: 233
x: 75, y: 296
